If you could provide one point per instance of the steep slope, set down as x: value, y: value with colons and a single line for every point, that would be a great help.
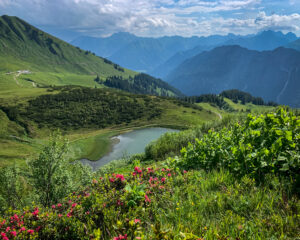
x: 266, y: 40
x: 30, y: 57
x: 273, y: 75
x: 23, y: 45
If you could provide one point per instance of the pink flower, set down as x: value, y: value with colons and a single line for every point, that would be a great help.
x: 7, y: 229
x: 147, y: 199
x: 169, y: 174
x: 30, y: 231
x: 138, y: 170
x: 59, y: 205
x: 69, y: 214
x: 162, y: 169
x: 121, y: 177
x: 22, y: 229
x: 163, y: 180
x: 137, y: 220
x: 111, y: 179
x: 53, y: 206
x: 59, y: 215
x: 94, y: 181
x: 161, y: 187
x: 74, y: 205
x: 138, y: 238
x: 13, y: 233
x: 4, y: 237
x: 184, y: 171
x: 36, y: 212
x: 87, y: 213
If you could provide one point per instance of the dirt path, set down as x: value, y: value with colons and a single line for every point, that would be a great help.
x: 219, y: 115
x: 16, y: 78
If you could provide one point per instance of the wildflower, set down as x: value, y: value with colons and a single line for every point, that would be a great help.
x: 94, y: 181
x: 59, y: 215
x: 162, y: 169
x: 53, y: 206
x: 147, y: 199
x: 59, y: 205
x: 111, y: 179
x: 30, y: 231
x: 161, y: 187
x: 22, y: 229
x: 69, y: 214
x: 7, y: 229
x: 138, y: 238
x: 36, y: 212
x: 184, y: 171
x: 87, y: 213
x: 4, y: 237
x: 137, y: 220
x: 163, y: 180
x: 121, y: 177
x: 169, y: 174
x: 74, y: 205
x: 13, y: 233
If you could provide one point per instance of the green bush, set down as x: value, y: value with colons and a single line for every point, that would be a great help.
x: 261, y: 145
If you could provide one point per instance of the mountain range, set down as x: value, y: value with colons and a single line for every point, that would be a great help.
x: 273, y: 75
x: 51, y: 61
x: 159, y: 56
x: 144, y: 54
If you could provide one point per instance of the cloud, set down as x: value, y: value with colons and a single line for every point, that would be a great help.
x: 151, y: 17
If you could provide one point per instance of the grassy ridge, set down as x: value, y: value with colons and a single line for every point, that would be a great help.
x: 164, y: 201
x: 39, y: 114
x: 51, y: 61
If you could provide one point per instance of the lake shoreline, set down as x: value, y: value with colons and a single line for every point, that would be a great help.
x: 130, y: 129
x: 129, y: 143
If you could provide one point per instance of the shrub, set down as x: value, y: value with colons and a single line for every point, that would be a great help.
x: 261, y: 145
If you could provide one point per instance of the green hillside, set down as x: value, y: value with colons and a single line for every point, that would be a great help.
x: 88, y: 116
x: 31, y: 58
x: 239, y: 181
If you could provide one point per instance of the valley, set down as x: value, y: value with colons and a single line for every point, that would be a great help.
x: 95, y: 145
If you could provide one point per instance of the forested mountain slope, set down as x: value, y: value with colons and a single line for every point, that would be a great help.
x: 273, y: 75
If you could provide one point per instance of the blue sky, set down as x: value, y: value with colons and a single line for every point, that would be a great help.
x: 158, y: 18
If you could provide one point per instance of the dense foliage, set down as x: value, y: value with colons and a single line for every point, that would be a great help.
x: 236, y: 95
x: 262, y: 145
x: 76, y: 107
x: 141, y: 83
x: 161, y: 203
x: 170, y: 144
x: 221, y: 196
x: 214, y: 99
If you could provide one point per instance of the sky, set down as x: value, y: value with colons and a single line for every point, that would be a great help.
x: 153, y: 18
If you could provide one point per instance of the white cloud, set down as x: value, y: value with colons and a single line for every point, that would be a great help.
x: 151, y: 17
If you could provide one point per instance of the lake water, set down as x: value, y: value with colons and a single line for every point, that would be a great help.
x: 130, y: 143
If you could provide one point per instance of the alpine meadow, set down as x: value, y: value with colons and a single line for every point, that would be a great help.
x: 150, y: 120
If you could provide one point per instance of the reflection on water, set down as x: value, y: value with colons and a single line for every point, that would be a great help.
x: 129, y: 143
